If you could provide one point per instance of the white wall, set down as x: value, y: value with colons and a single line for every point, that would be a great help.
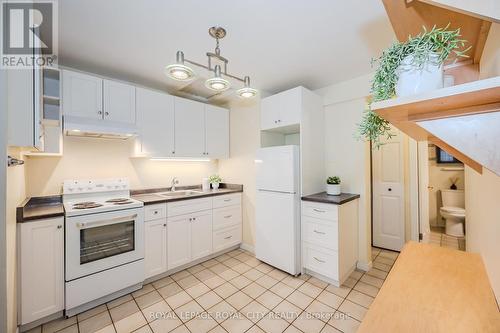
x: 483, y: 191
x: 347, y: 157
x: 101, y: 158
x: 7, y: 305
x: 240, y: 168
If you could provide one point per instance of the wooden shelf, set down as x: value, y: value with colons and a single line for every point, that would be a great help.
x: 465, y: 99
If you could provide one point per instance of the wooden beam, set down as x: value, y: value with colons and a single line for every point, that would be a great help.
x: 407, y: 18
x: 465, y: 111
x: 457, y: 154
x: 481, y: 41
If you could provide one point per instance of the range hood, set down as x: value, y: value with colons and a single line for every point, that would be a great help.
x: 98, y: 128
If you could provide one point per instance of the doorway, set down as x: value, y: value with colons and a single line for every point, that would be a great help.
x: 444, y: 198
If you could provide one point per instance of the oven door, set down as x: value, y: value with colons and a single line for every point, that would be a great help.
x: 101, y: 241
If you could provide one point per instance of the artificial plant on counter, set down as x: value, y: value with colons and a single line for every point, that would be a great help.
x: 423, y: 48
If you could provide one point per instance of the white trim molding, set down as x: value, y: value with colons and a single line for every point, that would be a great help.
x: 247, y: 247
x: 364, y: 266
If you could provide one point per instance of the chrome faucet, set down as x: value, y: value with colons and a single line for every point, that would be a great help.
x: 174, y: 182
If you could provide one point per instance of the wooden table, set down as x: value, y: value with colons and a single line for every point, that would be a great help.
x: 434, y: 289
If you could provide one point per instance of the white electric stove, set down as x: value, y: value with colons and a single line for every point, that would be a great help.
x: 104, y: 242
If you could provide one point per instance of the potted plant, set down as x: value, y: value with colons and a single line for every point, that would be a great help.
x: 333, y: 185
x: 408, y: 68
x: 215, y: 180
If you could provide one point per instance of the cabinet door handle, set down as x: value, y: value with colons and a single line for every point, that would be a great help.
x: 106, y: 113
x: 227, y: 200
x: 228, y: 216
x: 155, y: 212
x: 59, y: 226
x: 190, y: 219
x: 228, y: 237
x: 319, y: 260
x: 319, y: 210
x: 173, y: 152
x: 319, y: 232
x: 164, y: 224
x: 99, y: 112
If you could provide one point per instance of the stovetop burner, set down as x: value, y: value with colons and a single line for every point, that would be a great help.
x: 123, y: 202
x: 118, y: 200
x: 86, y: 205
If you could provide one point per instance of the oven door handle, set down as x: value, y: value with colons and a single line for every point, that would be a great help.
x: 85, y: 225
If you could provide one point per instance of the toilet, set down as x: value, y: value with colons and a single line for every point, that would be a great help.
x: 453, y: 211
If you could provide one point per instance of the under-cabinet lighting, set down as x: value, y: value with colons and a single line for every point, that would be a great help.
x: 166, y: 159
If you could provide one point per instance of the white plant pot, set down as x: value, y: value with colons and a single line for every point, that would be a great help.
x: 215, y: 186
x: 413, y: 79
x: 333, y: 189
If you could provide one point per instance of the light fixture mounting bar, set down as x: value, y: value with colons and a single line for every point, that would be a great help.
x: 210, y: 69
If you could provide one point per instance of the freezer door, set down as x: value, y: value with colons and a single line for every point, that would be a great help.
x: 277, y: 230
x: 278, y: 168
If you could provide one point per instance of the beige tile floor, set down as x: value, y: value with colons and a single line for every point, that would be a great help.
x: 236, y: 293
x: 438, y: 237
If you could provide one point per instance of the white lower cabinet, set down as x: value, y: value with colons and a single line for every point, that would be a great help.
x: 330, y: 240
x: 41, y: 269
x: 178, y: 241
x: 180, y: 232
x: 201, y: 231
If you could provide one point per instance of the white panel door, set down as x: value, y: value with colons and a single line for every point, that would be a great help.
x: 155, y: 119
x: 82, y: 95
x: 388, y: 201
x: 277, y: 230
x: 155, y: 252
x: 189, y: 128
x: 119, y: 102
x: 277, y: 168
x: 216, y: 132
x: 42, y: 269
x: 201, y: 235
x: 178, y: 241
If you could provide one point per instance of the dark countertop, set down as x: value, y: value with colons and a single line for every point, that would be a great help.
x: 150, y: 196
x: 331, y: 199
x: 37, y: 208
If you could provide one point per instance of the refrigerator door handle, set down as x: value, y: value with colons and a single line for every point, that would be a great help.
x: 261, y: 190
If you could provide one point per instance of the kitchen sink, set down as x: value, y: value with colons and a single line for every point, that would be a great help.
x: 180, y: 193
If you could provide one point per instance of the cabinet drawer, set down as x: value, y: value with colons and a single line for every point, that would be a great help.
x: 188, y: 206
x: 320, y: 210
x: 154, y: 212
x: 318, y: 232
x: 226, y: 217
x: 321, y: 261
x: 225, y: 238
x: 227, y: 200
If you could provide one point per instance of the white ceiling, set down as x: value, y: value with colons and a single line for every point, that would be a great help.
x: 279, y: 43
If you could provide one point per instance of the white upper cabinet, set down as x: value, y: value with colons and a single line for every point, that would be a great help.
x: 189, y: 128
x: 155, y: 119
x: 92, y: 97
x: 24, y: 108
x: 119, y: 102
x: 283, y: 109
x: 82, y: 95
x: 216, y: 132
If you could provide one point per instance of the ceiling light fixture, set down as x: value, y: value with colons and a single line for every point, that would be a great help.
x: 246, y: 91
x: 179, y: 71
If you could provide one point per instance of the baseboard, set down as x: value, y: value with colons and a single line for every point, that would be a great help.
x: 247, y: 247
x: 364, y: 266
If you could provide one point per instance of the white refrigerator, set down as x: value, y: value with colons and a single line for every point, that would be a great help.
x: 277, y: 240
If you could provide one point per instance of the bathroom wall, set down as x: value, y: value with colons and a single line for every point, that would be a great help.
x: 104, y: 158
x: 440, y: 179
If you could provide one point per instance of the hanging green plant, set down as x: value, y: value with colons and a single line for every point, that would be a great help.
x: 434, y: 46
